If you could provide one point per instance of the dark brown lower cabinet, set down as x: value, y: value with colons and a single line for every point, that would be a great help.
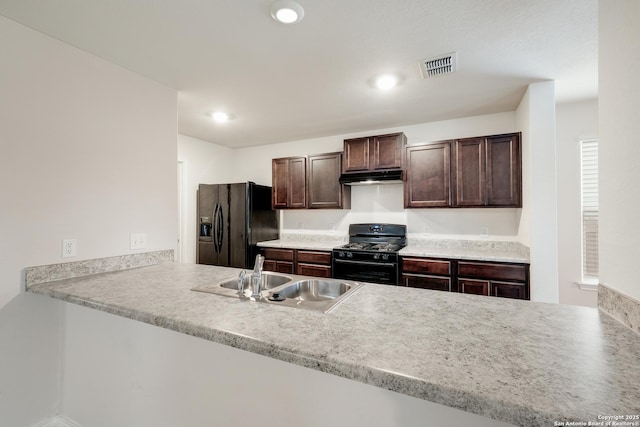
x: 313, y: 263
x: 278, y: 260
x: 494, y: 279
x: 298, y: 261
x: 426, y: 273
x: 507, y: 280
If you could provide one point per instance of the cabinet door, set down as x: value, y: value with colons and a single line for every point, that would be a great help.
x: 297, y: 183
x: 283, y: 267
x: 469, y: 172
x: 426, y: 282
x: 269, y: 265
x: 289, y: 182
x: 508, y: 290
x: 279, y: 183
x: 503, y: 174
x: 428, y: 175
x: 386, y: 151
x: 324, y: 190
x: 477, y: 287
x: 356, y: 154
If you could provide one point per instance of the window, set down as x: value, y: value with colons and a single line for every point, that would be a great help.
x: 589, y: 179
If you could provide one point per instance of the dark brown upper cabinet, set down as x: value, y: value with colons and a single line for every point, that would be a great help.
x: 487, y: 171
x: 374, y: 152
x: 428, y: 175
x: 309, y: 182
x: 504, y: 170
x: 288, y: 183
x: 470, y: 172
x: 323, y: 189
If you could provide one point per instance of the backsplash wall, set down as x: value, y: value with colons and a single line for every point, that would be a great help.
x: 384, y: 204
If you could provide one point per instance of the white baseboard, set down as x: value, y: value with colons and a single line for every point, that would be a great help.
x: 56, y: 421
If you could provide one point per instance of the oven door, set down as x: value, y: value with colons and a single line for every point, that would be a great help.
x: 365, y: 271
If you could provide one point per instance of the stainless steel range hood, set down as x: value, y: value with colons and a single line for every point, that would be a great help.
x: 372, y: 177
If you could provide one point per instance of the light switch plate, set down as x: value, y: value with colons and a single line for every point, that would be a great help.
x: 137, y: 241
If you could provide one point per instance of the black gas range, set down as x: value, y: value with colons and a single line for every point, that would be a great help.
x: 371, y: 254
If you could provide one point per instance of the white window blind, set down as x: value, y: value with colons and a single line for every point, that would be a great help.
x: 589, y: 160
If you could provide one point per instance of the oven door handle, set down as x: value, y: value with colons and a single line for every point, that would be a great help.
x: 379, y: 264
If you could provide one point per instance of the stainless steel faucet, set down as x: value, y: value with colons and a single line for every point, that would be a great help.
x: 256, y: 278
x: 241, y: 279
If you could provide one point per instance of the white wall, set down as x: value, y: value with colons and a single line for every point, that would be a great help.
x: 575, y: 122
x: 619, y: 103
x: 539, y: 226
x: 168, y: 379
x: 88, y: 151
x: 203, y: 163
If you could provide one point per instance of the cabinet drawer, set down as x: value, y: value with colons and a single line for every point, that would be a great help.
x: 279, y: 254
x: 492, y: 271
x: 315, y: 257
x: 314, y: 270
x: 426, y: 282
x: 426, y: 266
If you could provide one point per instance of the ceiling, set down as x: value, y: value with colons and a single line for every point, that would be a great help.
x: 311, y: 79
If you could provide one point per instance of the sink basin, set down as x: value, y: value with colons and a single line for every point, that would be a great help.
x: 315, y: 290
x: 288, y: 290
x: 269, y: 281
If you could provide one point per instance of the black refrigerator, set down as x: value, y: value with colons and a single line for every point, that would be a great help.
x: 232, y: 219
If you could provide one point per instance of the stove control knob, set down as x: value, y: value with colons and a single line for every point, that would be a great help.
x: 349, y: 255
x: 385, y: 257
x: 376, y: 256
x: 341, y: 254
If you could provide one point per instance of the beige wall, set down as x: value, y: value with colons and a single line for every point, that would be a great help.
x: 88, y: 152
x: 576, y: 121
x: 619, y: 128
x: 538, y: 222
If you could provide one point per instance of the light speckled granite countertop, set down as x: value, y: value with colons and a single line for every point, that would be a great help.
x: 529, y: 364
x: 418, y: 245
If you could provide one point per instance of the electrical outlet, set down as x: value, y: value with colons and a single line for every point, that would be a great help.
x: 484, y: 231
x: 137, y: 240
x: 69, y: 248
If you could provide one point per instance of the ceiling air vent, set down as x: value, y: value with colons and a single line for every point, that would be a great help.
x: 439, y: 65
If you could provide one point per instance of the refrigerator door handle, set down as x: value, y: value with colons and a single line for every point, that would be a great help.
x: 214, y: 228
x: 219, y: 228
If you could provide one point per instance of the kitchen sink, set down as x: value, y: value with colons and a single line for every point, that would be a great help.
x: 288, y: 290
x: 314, y: 290
x: 269, y: 281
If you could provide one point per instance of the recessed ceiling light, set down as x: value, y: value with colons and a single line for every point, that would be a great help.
x: 220, y: 117
x: 386, y: 81
x: 287, y: 12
